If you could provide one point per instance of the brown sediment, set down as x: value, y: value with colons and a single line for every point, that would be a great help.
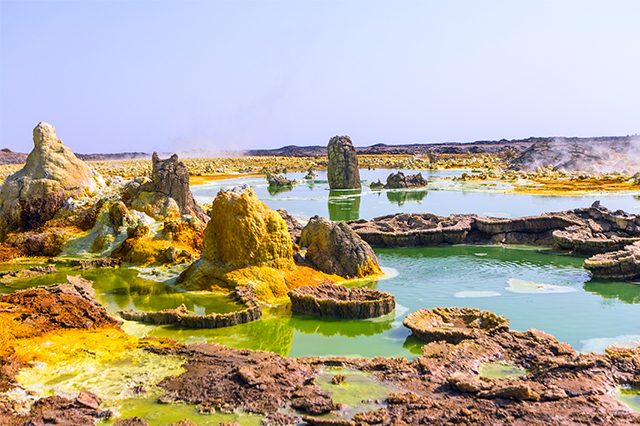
x: 454, y: 325
x: 34, y: 312
x: 442, y: 386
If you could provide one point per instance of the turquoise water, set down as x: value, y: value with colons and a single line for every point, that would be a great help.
x: 442, y: 197
x: 532, y: 286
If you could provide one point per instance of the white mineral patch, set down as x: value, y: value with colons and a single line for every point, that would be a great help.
x: 388, y: 273
x: 522, y: 286
x: 599, y: 344
x: 401, y: 310
x: 496, y: 214
x: 471, y: 293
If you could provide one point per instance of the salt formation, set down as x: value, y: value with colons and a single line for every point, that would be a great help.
x: 51, y: 175
x: 342, y: 171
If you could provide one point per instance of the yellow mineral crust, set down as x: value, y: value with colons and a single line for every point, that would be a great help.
x: 243, y: 231
x: 246, y: 242
x: 106, y: 360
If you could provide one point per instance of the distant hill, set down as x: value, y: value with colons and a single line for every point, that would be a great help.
x: 412, y: 149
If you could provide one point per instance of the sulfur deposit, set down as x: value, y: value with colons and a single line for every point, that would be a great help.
x: 51, y: 175
x: 244, y: 242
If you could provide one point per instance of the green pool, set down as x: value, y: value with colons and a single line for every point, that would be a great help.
x: 532, y: 286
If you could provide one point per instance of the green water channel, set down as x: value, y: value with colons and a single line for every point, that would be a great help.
x: 532, y: 286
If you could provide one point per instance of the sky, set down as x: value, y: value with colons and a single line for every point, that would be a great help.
x: 173, y: 76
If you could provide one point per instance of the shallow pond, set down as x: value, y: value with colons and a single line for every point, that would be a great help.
x: 532, y: 286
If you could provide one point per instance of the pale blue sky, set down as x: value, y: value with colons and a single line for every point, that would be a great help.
x: 171, y: 76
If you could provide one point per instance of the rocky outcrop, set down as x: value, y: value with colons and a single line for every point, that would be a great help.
x: 244, y: 241
x: 454, y: 325
x: 342, y: 170
x: 334, y: 248
x: 219, y: 378
x: 335, y: 301
x: 279, y: 181
x: 616, y: 265
x: 310, y: 175
x: 601, y: 231
x: 34, y: 271
x: 84, y: 410
x: 51, y: 175
x: 183, y: 318
x: 442, y: 386
x: 414, y: 229
x: 399, y: 180
x: 295, y: 227
x: 585, y: 230
x: 167, y: 195
x: 69, y: 305
x: 244, y: 232
x: 84, y: 264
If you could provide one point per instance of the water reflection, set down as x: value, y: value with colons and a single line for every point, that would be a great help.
x: 333, y: 326
x: 274, y: 190
x: 625, y: 292
x: 414, y: 345
x: 122, y: 288
x: 272, y: 333
x: 344, y: 204
x: 401, y: 197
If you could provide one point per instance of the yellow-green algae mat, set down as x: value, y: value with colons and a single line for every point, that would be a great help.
x: 500, y: 370
x: 116, y: 367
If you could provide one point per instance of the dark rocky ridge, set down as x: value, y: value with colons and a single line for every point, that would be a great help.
x: 612, y: 237
x: 477, y: 147
x: 439, y: 387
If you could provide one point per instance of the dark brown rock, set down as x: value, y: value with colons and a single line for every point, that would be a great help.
x: 103, y: 262
x: 330, y: 300
x: 278, y: 181
x: 334, y: 248
x: 342, y: 171
x: 254, y: 381
x: 68, y: 305
x: 280, y: 419
x: 399, y: 180
x: 295, y: 227
x: 131, y: 421
x: 171, y: 177
x: 439, y: 387
x: 34, y: 271
x: 55, y: 410
x: 616, y: 265
x: 585, y: 230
